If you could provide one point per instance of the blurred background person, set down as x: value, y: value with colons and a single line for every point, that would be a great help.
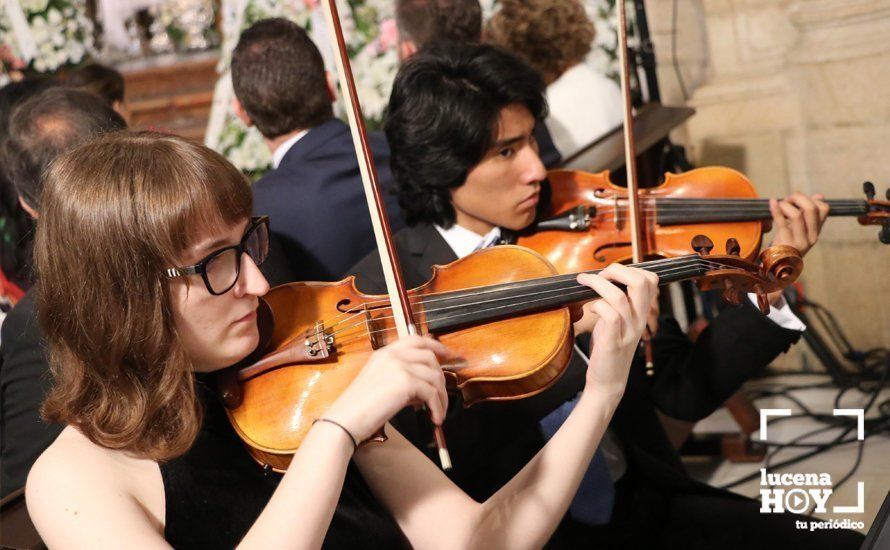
x: 105, y: 82
x: 554, y: 37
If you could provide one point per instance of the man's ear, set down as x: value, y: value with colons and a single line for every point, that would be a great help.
x: 28, y: 208
x: 241, y: 112
x: 332, y: 86
x: 407, y: 48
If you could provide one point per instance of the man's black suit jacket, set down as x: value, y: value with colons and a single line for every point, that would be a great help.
x: 24, y: 381
x: 491, y: 442
x: 316, y: 202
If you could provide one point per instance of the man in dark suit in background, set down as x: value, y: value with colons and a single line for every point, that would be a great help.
x: 426, y: 23
x: 474, y: 173
x: 42, y: 128
x: 314, y: 195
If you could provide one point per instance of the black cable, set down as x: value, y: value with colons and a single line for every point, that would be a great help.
x: 674, y: 59
x: 876, y: 425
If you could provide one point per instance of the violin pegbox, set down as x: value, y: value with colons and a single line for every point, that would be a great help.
x: 735, y: 277
x: 878, y: 211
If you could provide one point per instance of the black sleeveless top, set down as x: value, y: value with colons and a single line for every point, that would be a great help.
x: 215, y: 492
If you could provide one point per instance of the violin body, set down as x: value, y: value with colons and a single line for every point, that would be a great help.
x: 503, y: 311
x: 608, y: 238
x: 505, y: 359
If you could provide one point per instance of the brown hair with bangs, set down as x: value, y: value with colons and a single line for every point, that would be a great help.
x: 115, y: 213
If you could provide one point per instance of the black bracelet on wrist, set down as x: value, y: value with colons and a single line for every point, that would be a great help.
x: 342, y: 427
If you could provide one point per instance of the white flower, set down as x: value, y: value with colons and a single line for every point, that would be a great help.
x: 40, y: 65
x: 40, y: 30
x: 46, y: 49
x: 54, y: 17
x: 75, y: 51
x: 53, y: 62
x: 34, y: 6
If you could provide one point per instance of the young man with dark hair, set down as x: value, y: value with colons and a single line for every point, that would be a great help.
x: 41, y: 129
x: 467, y: 173
x: 313, y: 195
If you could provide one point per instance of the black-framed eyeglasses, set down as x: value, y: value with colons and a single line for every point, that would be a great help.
x: 221, y: 268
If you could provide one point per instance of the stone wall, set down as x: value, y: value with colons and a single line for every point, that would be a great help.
x: 796, y: 95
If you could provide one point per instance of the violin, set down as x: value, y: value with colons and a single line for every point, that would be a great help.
x: 510, y: 327
x: 587, y: 224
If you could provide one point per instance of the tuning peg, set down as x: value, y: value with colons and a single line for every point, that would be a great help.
x: 762, y: 300
x: 869, y: 189
x: 887, y: 194
x: 702, y: 244
x: 732, y: 247
x: 884, y: 234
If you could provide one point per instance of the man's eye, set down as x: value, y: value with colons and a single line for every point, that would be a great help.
x: 506, y: 153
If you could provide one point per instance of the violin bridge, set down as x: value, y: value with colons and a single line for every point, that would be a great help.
x: 369, y: 325
x: 318, y: 343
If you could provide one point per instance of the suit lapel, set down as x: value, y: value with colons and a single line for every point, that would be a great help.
x: 425, y: 248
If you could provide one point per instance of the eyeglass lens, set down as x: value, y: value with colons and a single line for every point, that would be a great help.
x: 223, y: 269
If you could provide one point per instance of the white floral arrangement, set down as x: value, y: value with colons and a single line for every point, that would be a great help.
x: 60, y: 31
x: 188, y: 25
x: 370, y: 32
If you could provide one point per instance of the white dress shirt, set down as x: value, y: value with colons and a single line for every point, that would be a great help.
x: 281, y: 150
x: 464, y: 242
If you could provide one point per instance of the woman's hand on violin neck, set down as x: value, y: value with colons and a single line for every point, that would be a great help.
x: 797, y: 220
x: 622, y: 319
x: 406, y: 372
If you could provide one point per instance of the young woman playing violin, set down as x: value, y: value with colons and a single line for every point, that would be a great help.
x: 460, y: 128
x: 148, y: 257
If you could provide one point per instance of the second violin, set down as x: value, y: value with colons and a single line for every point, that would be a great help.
x: 587, y: 224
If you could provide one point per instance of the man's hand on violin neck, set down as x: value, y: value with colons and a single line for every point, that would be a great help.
x: 797, y: 220
x: 621, y: 320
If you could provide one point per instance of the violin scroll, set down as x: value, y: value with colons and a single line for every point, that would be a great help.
x: 878, y: 211
x: 782, y: 263
x: 779, y: 267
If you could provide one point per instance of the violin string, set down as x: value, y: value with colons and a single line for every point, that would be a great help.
x: 574, y: 290
x: 695, y: 201
x: 720, y: 208
x: 436, y: 297
x: 431, y: 299
x: 653, y: 265
x: 671, y: 214
x: 367, y: 332
x: 710, y: 216
x: 499, y: 299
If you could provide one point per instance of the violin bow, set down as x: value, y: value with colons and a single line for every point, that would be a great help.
x: 630, y: 155
x: 637, y: 243
x: 392, y: 272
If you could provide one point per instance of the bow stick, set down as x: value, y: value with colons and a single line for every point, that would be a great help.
x: 398, y: 295
x: 637, y: 243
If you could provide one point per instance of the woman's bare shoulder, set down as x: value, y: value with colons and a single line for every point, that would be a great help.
x: 79, y: 491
